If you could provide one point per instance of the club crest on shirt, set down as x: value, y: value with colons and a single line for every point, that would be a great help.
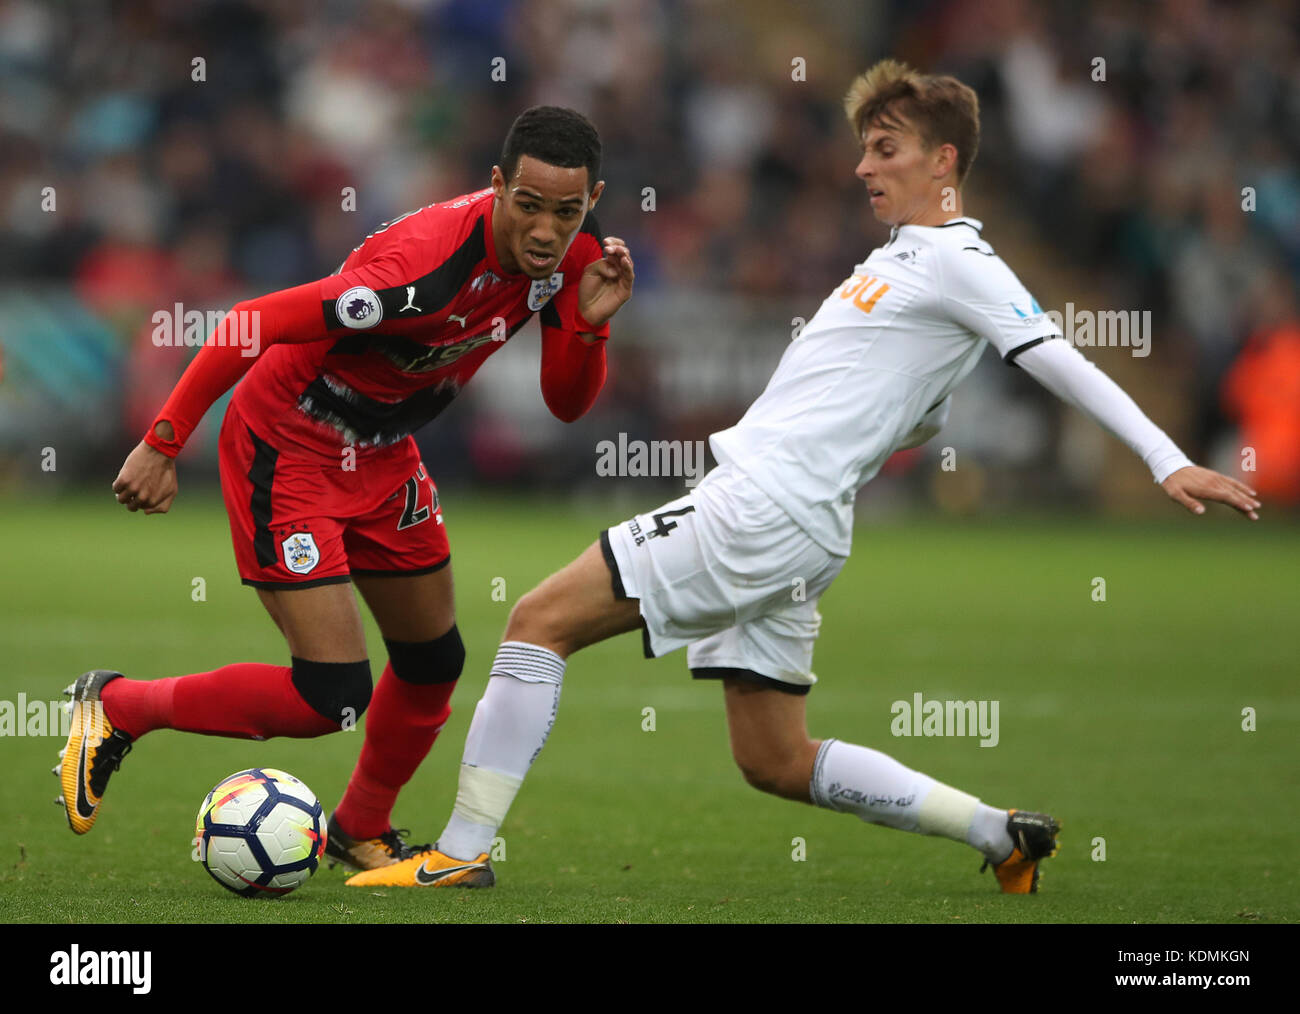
x: 541, y: 291
x: 300, y: 552
x: 359, y: 308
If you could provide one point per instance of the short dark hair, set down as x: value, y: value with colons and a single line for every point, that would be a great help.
x: 556, y: 136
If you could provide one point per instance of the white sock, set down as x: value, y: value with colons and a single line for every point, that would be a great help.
x: 880, y: 790
x: 510, y: 726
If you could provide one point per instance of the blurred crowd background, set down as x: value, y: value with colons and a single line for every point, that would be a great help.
x: 1163, y: 178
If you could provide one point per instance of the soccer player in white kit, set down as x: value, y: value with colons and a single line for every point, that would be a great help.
x: 871, y: 373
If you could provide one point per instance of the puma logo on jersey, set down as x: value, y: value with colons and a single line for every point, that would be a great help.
x: 410, y: 301
x: 460, y: 320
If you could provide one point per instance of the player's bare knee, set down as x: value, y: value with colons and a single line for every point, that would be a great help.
x: 758, y: 776
x: 763, y: 773
x: 537, y: 619
x: 782, y: 774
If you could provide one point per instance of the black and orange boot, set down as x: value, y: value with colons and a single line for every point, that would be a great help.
x: 368, y: 853
x: 93, y: 752
x: 1034, y: 839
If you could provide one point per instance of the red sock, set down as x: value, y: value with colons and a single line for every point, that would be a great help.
x: 402, y: 723
x: 248, y: 700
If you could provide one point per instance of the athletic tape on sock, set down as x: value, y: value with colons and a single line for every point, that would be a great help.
x: 947, y: 812
x: 484, y: 796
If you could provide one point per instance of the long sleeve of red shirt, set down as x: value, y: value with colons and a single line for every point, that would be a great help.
x: 573, y: 371
x: 291, y: 315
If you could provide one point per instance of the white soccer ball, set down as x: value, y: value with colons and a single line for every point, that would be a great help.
x: 260, y: 833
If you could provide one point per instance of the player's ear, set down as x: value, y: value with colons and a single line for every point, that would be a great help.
x: 945, y: 160
x: 498, y: 183
x: 594, y: 196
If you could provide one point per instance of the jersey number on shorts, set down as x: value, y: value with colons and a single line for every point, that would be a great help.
x: 663, y: 529
x: 412, y: 513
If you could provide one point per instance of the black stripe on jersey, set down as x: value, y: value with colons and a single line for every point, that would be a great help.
x: 986, y: 253
x: 365, y: 422
x: 1010, y: 357
x: 262, y: 476
x: 433, y: 292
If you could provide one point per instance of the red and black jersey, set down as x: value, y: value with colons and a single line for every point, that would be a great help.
x: 366, y: 356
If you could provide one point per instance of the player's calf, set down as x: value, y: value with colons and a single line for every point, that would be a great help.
x: 409, y: 707
x: 769, y: 733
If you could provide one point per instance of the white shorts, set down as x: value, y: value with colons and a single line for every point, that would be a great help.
x: 726, y: 571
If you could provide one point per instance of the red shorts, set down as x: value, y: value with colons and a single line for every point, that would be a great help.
x: 298, y: 523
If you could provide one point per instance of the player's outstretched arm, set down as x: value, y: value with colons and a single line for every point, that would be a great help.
x: 1072, y: 378
x: 147, y: 480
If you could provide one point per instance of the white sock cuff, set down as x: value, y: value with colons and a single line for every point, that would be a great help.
x: 814, y: 785
x: 947, y: 812
x: 528, y: 663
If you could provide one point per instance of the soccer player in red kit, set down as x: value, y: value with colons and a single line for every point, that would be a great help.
x: 323, y: 481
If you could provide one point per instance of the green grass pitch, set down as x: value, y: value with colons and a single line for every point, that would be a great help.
x: 1122, y: 717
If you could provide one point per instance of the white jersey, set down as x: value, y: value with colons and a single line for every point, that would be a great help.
x: 884, y: 348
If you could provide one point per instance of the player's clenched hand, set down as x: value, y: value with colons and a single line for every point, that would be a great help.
x: 1187, y: 484
x: 606, y: 284
x: 147, y: 481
